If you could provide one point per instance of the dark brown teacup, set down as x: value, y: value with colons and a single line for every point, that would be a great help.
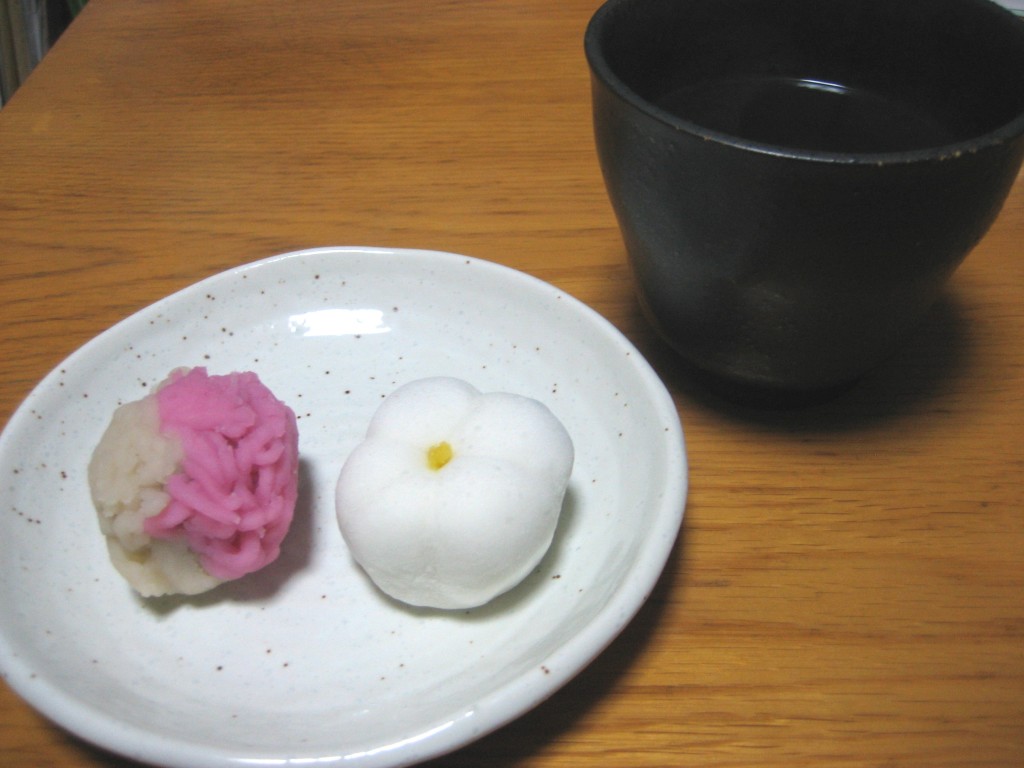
x: 796, y: 180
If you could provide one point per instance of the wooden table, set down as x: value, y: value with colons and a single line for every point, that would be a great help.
x: 848, y: 589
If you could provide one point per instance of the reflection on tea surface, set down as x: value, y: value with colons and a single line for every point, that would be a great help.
x: 807, y: 114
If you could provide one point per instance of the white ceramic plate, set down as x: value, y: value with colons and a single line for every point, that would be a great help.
x: 305, y: 662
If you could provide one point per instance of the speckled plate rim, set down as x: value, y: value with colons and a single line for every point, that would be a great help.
x: 506, y: 702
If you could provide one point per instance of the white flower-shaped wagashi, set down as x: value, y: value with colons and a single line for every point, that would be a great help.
x: 454, y: 496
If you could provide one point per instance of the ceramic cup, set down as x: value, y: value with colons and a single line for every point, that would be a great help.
x: 795, y: 180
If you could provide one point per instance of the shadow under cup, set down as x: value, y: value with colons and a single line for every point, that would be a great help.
x: 795, y: 180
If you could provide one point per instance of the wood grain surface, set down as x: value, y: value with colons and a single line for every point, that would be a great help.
x: 848, y: 588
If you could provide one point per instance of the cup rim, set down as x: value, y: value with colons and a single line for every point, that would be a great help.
x: 600, y: 69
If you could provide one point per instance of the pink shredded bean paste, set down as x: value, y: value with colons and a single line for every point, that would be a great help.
x: 234, y: 497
